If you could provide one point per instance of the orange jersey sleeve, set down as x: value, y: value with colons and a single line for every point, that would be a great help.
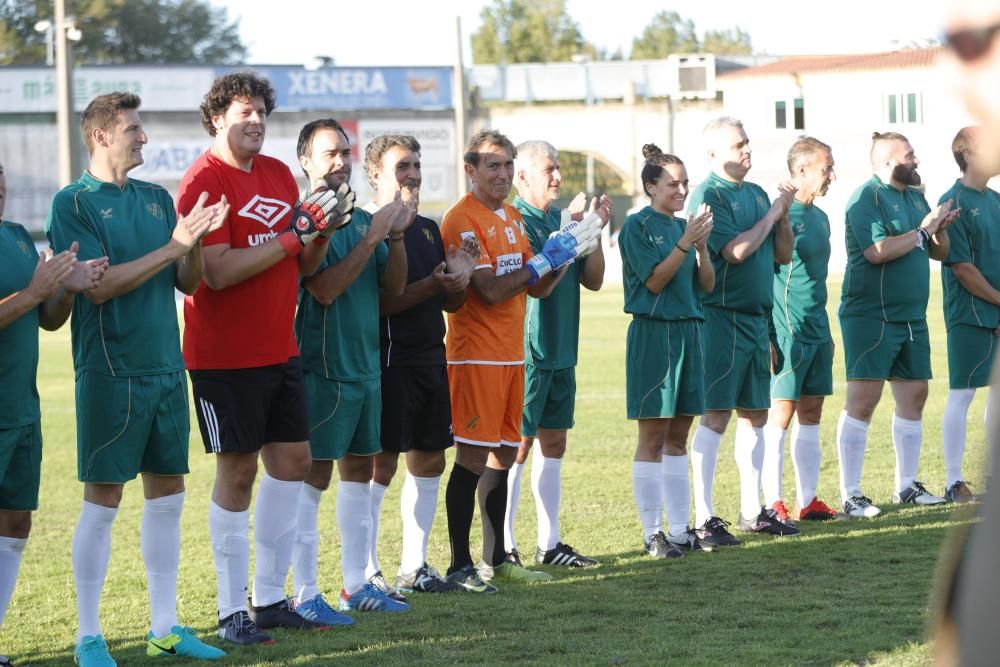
x: 479, y: 333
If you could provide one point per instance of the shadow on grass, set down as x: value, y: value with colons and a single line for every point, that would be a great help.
x: 843, y: 591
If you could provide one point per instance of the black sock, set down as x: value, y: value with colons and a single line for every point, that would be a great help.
x: 460, y: 503
x: 493, y: 507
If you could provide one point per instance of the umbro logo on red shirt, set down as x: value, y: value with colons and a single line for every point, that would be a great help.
x: 265, y: 210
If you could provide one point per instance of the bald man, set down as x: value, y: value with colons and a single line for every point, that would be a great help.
x: 890, y: 233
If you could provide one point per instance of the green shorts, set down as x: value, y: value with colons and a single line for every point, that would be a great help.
x: 877, y: 350
x: 738, y: 361
x: 129, y: 425
x: 806, y: 370
x: 20, y: 467
x: 344, y: 417
x: 970, y: 356
x: 549, y: 399
x: 664, y: 369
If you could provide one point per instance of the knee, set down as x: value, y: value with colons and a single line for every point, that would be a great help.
x: 15, y: 524
x: 384, y: 468
x: 426, y: 465
x: 319, y: 475
x: 239, y: 477
x: 716, y: 420
x: 503, y: 457
x: 554, y: 447
x: 471, y: 457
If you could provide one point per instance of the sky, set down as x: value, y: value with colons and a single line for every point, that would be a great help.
x: 406, y: 32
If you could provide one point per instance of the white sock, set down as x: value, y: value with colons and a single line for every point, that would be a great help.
x: 749, y: 455
x: 774, y: 463
x: 273, y: 538
x: 377, y: 494
x: 91, y: 554
x: 704, y: 453
x: 354, y: 520
x: 305, y: 552
x: 953, y: 432
x: 676, y: 493
x: 229, y: 532
x: 646, y: 487
x: 160, y: 543
x: 417, y: 504
x: 907, y: 436
x: 806, y: 457
x: 11, y: 549
x: 513, y: 500
x: 852, y: 438
x: 545, y: 481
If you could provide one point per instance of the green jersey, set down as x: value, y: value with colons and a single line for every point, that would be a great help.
x: 736, y: 207
x: 645, y: 240
x: 552, y: 324
x: 134, y: 333
x: 800, y: 287
x: 19, y: 339
x: 895, y: 291
x: 975, y: 239
x: 341, y: 341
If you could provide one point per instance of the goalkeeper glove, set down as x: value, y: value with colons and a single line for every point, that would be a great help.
x: 587, y: 231
x: 559, y: 250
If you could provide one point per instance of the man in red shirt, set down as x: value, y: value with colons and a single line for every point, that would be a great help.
x: 242, y: 356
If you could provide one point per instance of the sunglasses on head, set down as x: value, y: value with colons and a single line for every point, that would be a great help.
x: 972, y: 44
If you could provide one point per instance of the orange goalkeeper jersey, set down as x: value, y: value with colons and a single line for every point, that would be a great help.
x: 479, y: 333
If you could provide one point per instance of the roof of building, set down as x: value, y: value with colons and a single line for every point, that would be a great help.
x: 789, y: 65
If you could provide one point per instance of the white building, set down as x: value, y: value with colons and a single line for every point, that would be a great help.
x: 841, y: 100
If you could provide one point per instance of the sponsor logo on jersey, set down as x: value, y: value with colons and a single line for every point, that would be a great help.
x: 363, y: 229
x: 511, y: 239
x: 105, y: 213
x: 658, y: 240
x: 24, y: 247
x: 257, y: 239
x: 799, y: 228
x: 467, y: 235
x: 430, y: 237
x: 736, y: 205
x: 895, y: 207
x: 491, y: 232
x: 974, y: 212
x: 155, y: 210
x: 265, y: 210
x: 510, y: 262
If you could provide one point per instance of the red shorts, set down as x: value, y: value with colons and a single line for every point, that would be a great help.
x: 486, y: 403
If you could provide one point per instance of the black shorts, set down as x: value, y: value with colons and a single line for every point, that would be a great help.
x: 242, y: 409
x: 416, y: 409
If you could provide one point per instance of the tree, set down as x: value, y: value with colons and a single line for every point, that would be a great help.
x: 525, y: 31
x: 733, y: 42
x: 126, y: 32
x: 666, y: 33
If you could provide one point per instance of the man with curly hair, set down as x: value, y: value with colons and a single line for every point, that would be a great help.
x: 243, y: 359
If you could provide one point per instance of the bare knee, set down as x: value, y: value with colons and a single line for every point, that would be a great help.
x: 552, y: 442
x: 716, y: 420
x: 355, y: 468
x: 158, y: 486
x: 425, y: 464
x: 501, y: 458
x: 105, y: 495
x: 234, y: 476
x: 471, y: 457
x: 757, y: 418
x: 15, y: 524
x: 384, y: 467
x: 319, y: 475
x: 286, y: 461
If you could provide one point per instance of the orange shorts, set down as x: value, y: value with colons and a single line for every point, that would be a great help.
x: 486, y: 403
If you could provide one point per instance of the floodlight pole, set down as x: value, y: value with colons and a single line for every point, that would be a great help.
x: 459, y: 100
x: 64, y: 95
